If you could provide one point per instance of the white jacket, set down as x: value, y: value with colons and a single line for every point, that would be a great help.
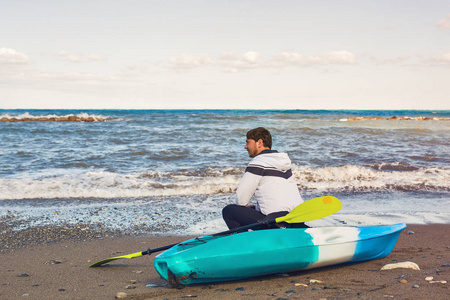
x: 269, y: 178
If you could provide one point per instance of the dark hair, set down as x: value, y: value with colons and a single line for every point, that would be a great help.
x: 261, y: 133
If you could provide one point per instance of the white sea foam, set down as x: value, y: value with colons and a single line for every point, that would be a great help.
x: 28, y: 116
x: 164, y: 217
x: 373, y: 219
x: 113, y: 185
x: 103, y: 184
x: 191, y: 202
x: 359, y: 178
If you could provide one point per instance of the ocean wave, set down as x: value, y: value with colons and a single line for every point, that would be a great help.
x: 395, y: 118
x: 113, y: 185
x: 360, y: 178
x: 27, y: 117
x: 349, y: 178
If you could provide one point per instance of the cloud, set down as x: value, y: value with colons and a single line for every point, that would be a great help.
x: 390, y: 61
x: 80, y: 58
x: 439, y: 60
x: 95, y: 57
x: 292, y: 59
x: 444, y: 23
x: 233, y: 62
x: 187, y: 62
x: 11, y: 56
x: 70, y: 57
x: 75, y: 77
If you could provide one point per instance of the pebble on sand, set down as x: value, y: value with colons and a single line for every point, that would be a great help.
x: 401, y: 265
x: 438, y: 281
x: 53, y: 262
x: 300, y: 284
x: 315, y: 281
x: 121, y: 295
x: 129, y: 287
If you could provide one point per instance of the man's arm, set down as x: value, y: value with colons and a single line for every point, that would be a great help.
x: 246, y: 189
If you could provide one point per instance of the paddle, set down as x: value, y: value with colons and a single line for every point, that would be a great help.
x: 310, y: 210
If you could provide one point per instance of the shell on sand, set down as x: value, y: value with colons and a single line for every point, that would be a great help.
x: 401, y: 265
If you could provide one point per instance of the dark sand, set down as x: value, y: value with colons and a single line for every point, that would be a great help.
x: 28, y: 270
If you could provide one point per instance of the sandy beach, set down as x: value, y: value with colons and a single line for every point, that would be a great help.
x: 33, y: 266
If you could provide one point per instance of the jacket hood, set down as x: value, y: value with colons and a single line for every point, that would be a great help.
x: 280, y: 161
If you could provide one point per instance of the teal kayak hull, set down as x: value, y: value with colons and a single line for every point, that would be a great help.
x: 262, y: 252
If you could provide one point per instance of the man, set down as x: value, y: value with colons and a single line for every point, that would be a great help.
x: 268, y: 178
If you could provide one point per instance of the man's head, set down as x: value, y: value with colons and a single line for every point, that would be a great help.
x: 258, y: 139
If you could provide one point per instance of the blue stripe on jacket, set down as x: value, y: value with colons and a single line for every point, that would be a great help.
x: 268, y: 172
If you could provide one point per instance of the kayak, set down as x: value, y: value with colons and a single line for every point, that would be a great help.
x: 262, y: 252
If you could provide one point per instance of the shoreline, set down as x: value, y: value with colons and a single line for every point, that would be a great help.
x: 58, y: 268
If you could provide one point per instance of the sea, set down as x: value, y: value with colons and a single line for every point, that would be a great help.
x: 172, y: 171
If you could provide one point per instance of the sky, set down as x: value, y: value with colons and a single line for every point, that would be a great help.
x: 228, y: 54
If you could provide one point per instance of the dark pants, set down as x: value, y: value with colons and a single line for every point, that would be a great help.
x: 236, y: 216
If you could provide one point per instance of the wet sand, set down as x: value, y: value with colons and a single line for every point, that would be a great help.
x: 45, y: 264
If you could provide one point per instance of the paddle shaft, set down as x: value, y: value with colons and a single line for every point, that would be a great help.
x: 310, y: 210
x: 234, y: 230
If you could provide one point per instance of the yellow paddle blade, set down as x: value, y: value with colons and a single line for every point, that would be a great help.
x: 313, y: 209
x: 102, y: 262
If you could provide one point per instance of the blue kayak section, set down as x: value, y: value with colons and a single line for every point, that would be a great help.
x: 375, y: 236
x: 262, y: 252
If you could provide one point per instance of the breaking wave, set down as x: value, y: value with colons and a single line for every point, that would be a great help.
x: 348, y: 178
x: 363, y: 179
x: 27, y: 117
